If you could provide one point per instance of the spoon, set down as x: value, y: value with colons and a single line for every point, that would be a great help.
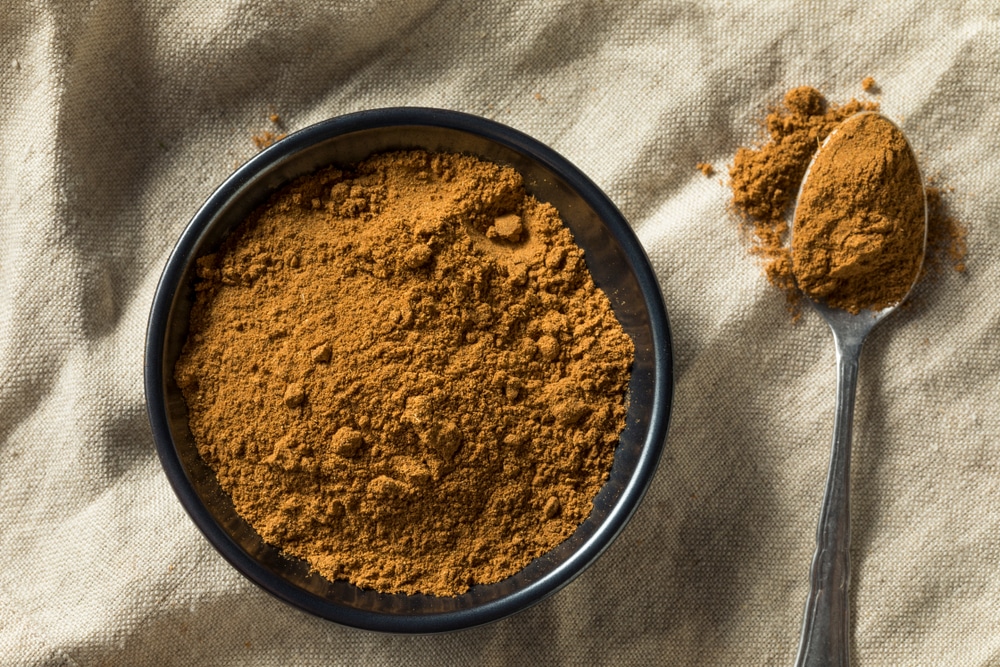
x: 825, y: 637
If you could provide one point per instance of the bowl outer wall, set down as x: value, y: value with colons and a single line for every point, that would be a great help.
x: 397, y: 128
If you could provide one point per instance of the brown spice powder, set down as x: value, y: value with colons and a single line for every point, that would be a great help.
x: 858, y: 236
x: 262, y: 140
x: 404, y: 374
x: 946, y: 236
x: 765, y: 181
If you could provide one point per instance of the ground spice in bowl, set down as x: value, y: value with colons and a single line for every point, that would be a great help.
x: 403, y: 373
x: 765, y: 181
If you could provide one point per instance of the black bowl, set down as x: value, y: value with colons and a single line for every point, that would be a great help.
x: 617, y: 262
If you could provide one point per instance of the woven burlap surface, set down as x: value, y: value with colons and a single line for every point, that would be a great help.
x: 119, y: 118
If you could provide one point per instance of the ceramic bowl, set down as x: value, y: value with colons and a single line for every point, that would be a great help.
x: 614, y: 257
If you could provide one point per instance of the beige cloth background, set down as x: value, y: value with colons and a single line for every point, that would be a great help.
x: 118, y: 118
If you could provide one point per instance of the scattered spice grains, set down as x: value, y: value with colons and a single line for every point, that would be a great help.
x: 705, y: 168
x: 765, y: 181
x: 404, y: 374
x: 868, y: 85
x: 946, y: 236
x: 262, y: 140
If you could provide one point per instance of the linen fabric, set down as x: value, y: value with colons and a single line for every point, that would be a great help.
x: 118, y: 120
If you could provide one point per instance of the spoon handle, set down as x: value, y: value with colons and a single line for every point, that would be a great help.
x: 825, y: 629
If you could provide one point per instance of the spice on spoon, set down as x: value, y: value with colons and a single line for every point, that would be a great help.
x: 858, y: 236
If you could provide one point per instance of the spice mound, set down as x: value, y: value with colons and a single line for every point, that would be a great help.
x: 765, y: 180
x: 403, y: 373
x: 858, y: 235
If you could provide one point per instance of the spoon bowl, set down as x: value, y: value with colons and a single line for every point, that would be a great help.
x: 825, y: 630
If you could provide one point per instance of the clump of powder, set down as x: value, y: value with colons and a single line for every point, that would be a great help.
x: 403, y: 373
x: 262, y: 140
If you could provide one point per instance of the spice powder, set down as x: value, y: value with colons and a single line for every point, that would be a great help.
x: 858, y: 235
x: 404, y: 374
x: 765, y: 180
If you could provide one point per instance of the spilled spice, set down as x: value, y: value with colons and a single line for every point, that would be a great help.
x: 868, y: 85
x: 765, y: 181
x: 705, y: 168
x: 946, y: 235
x: 262, y: 140
x: 404, y: 374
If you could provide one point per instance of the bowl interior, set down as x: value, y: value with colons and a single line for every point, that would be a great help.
x: 613, y: 256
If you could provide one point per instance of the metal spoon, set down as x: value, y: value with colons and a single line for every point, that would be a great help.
x: 825, y: 630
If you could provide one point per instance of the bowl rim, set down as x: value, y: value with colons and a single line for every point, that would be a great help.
x: 653, y: 441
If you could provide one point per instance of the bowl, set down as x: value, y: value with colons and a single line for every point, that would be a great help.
x: 619, y: 267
